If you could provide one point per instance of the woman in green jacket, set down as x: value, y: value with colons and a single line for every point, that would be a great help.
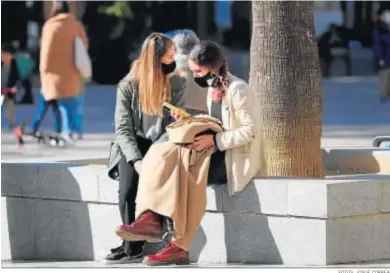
x: 139, y: 122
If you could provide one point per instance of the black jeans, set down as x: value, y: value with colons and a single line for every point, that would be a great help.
x: 28, y: 95
x: 217, y: 170
x: 128, y: 186
x: 56, y: 112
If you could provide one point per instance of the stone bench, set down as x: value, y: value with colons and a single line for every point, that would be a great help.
x: 346, y: 160
x: 68, y: 211
x: 299, y: 222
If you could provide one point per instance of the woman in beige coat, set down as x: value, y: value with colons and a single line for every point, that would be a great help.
x: 59, y: 76
x: 235, y: 160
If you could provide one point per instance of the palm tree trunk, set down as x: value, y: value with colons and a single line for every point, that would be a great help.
x: 285, y: 74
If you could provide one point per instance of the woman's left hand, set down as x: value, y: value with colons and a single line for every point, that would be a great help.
x: 179, y: 114
x: 203, y: 142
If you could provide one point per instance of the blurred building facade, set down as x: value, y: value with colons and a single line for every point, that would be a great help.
x: 118, y: 27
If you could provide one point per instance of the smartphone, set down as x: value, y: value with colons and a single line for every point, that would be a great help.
x: 169, y: 107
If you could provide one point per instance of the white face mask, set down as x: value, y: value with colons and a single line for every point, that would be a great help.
x: 386, y: 17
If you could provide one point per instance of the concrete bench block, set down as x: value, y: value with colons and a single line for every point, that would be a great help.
x: 266, y: 196
x: 385, y: 196
x: 346, y: 160
x: 347, y: 196
x: 320, y: 198
x: 17, y: 228
x: 211, y: 234
x: 234, y: 238
x: 36, y: 229
x: 19, y: 179
x: 291, y: 241
x: 69, y: 212
x: 63, y: 229
x: 358, y: 239
x: 50, y: 180
x: 214, y: 198
x: 103, y: 232
x: 108, y: 188
x: 89, y: 161
x: 108, y: 191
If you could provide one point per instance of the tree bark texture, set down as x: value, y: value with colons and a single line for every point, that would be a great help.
x: 285, y: 74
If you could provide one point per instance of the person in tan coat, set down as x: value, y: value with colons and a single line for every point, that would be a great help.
x: 59, y: 76
x: 176, y: 189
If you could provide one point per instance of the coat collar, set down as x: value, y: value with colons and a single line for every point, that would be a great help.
x: 224, y: 103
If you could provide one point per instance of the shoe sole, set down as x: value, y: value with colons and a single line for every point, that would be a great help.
x: 128, y: 236
x: 156, y: 263
x: 133, y: 261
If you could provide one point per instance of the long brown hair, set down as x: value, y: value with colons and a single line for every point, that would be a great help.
x: 153, y: 87
x: 59, y: 7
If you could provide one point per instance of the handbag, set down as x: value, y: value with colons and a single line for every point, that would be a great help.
x: 81, y: 59
x: 113, y: 171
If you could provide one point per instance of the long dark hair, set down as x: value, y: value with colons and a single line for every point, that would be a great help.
x: 59, y: 7
x: 210, y: 55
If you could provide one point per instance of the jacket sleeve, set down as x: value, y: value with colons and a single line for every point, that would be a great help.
x: 377, y: 46
x: 82, y: 33
x: 179, y: 85
x: 241, y: 108
x: 124, y: 127
x: 46, y: 52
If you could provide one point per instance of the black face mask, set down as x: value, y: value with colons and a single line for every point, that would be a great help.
x: 204, y: 81
x: 168, y: 68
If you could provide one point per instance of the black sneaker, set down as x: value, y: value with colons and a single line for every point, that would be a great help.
x: 122, y: 258
x: 117, y: 249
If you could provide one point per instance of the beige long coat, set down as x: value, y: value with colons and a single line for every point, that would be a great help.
x: 175, y: 180
x: 59, y: 76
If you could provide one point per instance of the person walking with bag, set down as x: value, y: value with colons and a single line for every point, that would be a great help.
x: 139, y: 122
x: 26, y: 66
x: 59, y: 75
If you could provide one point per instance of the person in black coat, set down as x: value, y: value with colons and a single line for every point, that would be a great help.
x: 334, y: 40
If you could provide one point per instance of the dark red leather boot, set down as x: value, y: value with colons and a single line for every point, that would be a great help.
x: 146, y: 228
x: 169, y: 255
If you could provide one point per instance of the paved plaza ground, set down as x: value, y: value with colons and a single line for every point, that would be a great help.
x: 51, y: 264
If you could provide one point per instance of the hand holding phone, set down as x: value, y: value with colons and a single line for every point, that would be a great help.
x: 176, y: 112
